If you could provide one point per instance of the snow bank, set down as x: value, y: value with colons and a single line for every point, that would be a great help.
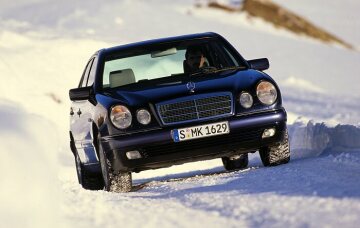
x: 37, y: 72
x: 29, y: 195
x: 314, y: 139
x: 338, y: 17
x: 305, y: 99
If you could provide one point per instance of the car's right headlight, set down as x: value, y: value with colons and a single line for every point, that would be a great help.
x: 266, y: 92
x: 246, y: 100
x: 120, y: 116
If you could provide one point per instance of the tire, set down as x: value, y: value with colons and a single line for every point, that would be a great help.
x: 113, y: 182
x: 277, y: 154
x: 89, y: 181
x: 235, y: 162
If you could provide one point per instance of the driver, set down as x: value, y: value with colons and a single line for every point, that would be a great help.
x: 194, y: 59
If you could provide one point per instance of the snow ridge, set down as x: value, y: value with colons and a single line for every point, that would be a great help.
x: 313, y: 139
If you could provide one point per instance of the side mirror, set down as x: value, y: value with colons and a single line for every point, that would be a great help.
x: 78, y: 94
x: 259, y: 64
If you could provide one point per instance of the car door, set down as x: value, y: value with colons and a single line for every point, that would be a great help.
x: 80, y: 117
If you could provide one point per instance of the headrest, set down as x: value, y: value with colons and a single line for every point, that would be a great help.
x: 121, y: 77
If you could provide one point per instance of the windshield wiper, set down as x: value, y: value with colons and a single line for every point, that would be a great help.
x: 231, y: 68
x: 142, y: 80
x: 208, y: 70
x: 205, y: 70
x: 163, y: 81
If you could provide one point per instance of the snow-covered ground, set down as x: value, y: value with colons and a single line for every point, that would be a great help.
x: 338, y: 17
x: 44, y: 46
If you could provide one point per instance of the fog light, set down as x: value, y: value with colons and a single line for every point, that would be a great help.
x: 268, y: 133
x: 133, y: 154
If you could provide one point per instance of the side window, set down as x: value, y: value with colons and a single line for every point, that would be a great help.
x: 85, y: 75
x: 217, y: 56
x: 232, y: 57
x: 92, y: 73
x: 224, y: 57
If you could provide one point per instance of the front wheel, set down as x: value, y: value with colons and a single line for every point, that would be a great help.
x: 277, y: 154
x: 114, y: 182
x: 90, y: 181
x: 235, y: 162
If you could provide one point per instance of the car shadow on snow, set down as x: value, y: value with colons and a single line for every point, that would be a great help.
x: 312, y: 177
x: 178, y: 177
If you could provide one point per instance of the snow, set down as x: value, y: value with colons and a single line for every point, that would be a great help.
x: 27, y: 169
x: 314, y: 139
x: 338, y: 17
x: 298, y: 83
x: 306, y: 192
x: 44, y: 46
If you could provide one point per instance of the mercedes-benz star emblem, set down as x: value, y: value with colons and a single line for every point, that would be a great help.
x: 191, y: 87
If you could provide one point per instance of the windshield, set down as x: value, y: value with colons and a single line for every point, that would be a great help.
x: 186, y: 57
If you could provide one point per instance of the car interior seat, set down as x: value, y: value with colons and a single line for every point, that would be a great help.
x: 121, y: 77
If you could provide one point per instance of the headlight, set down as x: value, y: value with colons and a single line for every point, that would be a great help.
x: 266, y: 92
x: 246, y: 100
x: 143, y: 116
x: 120, y: 116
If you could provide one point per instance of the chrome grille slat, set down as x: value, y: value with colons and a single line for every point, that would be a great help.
x: 181, y: 115
x: 196, y: 108
x: 179, y: 112
x: 177, y: 105
x: 213, y: 112
x: 212, y: 99
x: 214, y: 105
x: 175, y: 119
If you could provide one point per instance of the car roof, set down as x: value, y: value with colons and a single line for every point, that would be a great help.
x: 159, y: 41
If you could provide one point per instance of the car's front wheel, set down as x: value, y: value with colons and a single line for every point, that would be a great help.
x: 277, y: 154
x: 88, y: 180
x: 235, y: 162
x: 114, y: 182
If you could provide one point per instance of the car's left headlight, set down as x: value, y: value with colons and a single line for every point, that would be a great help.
x: 246, y: 100
x: 143, y: 116
x: 266, y: 92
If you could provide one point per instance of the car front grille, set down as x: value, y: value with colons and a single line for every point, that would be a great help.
x: 201, y: 107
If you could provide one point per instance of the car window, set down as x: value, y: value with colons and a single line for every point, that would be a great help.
x: 145, y: 67
x: 85, y: 75
x: 163, y: 60
x: 234, y: 61
x: 92, y: 73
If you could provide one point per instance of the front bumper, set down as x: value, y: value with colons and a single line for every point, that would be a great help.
x: 158, y: 149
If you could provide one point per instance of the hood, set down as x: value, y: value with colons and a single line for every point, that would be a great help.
x: 233, y: 81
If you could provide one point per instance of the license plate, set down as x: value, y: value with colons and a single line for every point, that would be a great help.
x: 200, y: 131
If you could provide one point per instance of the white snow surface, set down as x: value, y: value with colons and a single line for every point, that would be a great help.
x: 44, y: 46
x: 27, y: 169
x: 337, y: 17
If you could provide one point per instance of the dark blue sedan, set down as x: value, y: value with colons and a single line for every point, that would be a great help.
x: 168, y: 101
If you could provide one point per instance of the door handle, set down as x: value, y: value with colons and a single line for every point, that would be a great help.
x: 79, y: 112
x: 71, y: 111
